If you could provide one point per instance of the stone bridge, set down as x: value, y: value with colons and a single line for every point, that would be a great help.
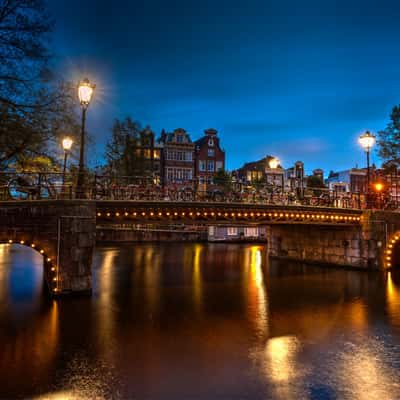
x: 64, y: 232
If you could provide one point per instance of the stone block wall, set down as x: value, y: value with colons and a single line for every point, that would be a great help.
x: 338, y: 245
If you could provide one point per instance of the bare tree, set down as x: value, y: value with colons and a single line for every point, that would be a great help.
x: 34, y: 108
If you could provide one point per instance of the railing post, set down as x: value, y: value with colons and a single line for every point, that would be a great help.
x: 39, y: 193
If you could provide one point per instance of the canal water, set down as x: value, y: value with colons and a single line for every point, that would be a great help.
x: 199, y: 321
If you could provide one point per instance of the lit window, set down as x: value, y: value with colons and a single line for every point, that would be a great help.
x: 251, y: 232
x: 147, y: 153
x: 232, y: 231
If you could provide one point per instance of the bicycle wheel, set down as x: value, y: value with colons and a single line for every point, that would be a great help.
x: 16, y: 191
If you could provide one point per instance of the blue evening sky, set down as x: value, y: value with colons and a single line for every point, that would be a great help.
x: 296, y: 79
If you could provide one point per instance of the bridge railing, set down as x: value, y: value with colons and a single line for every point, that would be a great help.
x: 44, y: 185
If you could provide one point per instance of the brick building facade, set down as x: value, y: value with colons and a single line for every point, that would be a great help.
x: 209, y: 158
x: 178, y: 157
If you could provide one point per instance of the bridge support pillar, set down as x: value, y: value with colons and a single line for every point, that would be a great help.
x: 76, y: 235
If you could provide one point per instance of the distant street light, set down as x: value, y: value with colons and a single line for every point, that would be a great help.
x: 85, y: 92
x: 367, y: 140
x: 66, y: 144
x: 379, y: 187
x: 273, y: 164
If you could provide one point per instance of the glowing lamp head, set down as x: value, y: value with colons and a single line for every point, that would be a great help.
x: 366, y: 140
x: 85, y: 92
x: 378, y: 186
x: 273, y: 163
x: 67, y: 143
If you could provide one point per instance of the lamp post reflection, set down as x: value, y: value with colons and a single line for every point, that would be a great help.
x: 393, y: 299
x: 281, y: 358
x: 197, y: 279
x: 256, y: 294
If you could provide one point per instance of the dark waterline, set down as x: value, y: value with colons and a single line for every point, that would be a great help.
x: 199, y: 321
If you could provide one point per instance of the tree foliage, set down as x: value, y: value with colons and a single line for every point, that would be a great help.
x: 223, y: 179
x: 125, y: 152
x: 389, y: 139
x: 314, y: 181
x: 35, y: 110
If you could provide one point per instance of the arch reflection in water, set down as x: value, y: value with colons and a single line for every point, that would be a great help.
x: 30, y: 339
x: 21, y: 278
x: 393, y: 297
x: 30, y: 352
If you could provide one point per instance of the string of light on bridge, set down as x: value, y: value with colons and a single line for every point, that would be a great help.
x: 259, y: 215
x: 389, y: 250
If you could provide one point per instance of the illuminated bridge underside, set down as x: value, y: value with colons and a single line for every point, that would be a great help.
x: 224, y: 214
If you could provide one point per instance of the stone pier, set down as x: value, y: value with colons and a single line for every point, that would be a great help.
x: 63, y: 232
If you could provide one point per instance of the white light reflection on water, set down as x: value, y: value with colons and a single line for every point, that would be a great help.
x: 280, y: 353
x: 363, y: 371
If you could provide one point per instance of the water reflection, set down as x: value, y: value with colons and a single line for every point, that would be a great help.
x: 256, y: 293
x: 364, y: 374
x: 21, y: 278
x: 393, y: 297
x: 29, y: 355
x: 197, y: 279
x: 281, y: 368
x: 181, y: 321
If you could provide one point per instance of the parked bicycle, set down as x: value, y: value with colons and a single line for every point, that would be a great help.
x: 34, y: 186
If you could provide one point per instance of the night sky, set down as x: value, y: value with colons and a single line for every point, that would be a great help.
x: 296, y: 79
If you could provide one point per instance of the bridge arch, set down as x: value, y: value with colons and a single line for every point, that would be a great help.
x: 62, y: 231
x: 51, y: 269
x: 392, y: 251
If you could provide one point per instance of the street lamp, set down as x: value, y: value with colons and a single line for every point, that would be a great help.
x: 85, y: 92
x: 367, y: 140
x: 378, y: 186
x: 66, y: 144
x: 273, y: 164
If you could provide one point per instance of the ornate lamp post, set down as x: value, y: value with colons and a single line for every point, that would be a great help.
x: 85, y: 92
x: 367, y: 140
x: 66, y: 144
x: 273, y: 164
